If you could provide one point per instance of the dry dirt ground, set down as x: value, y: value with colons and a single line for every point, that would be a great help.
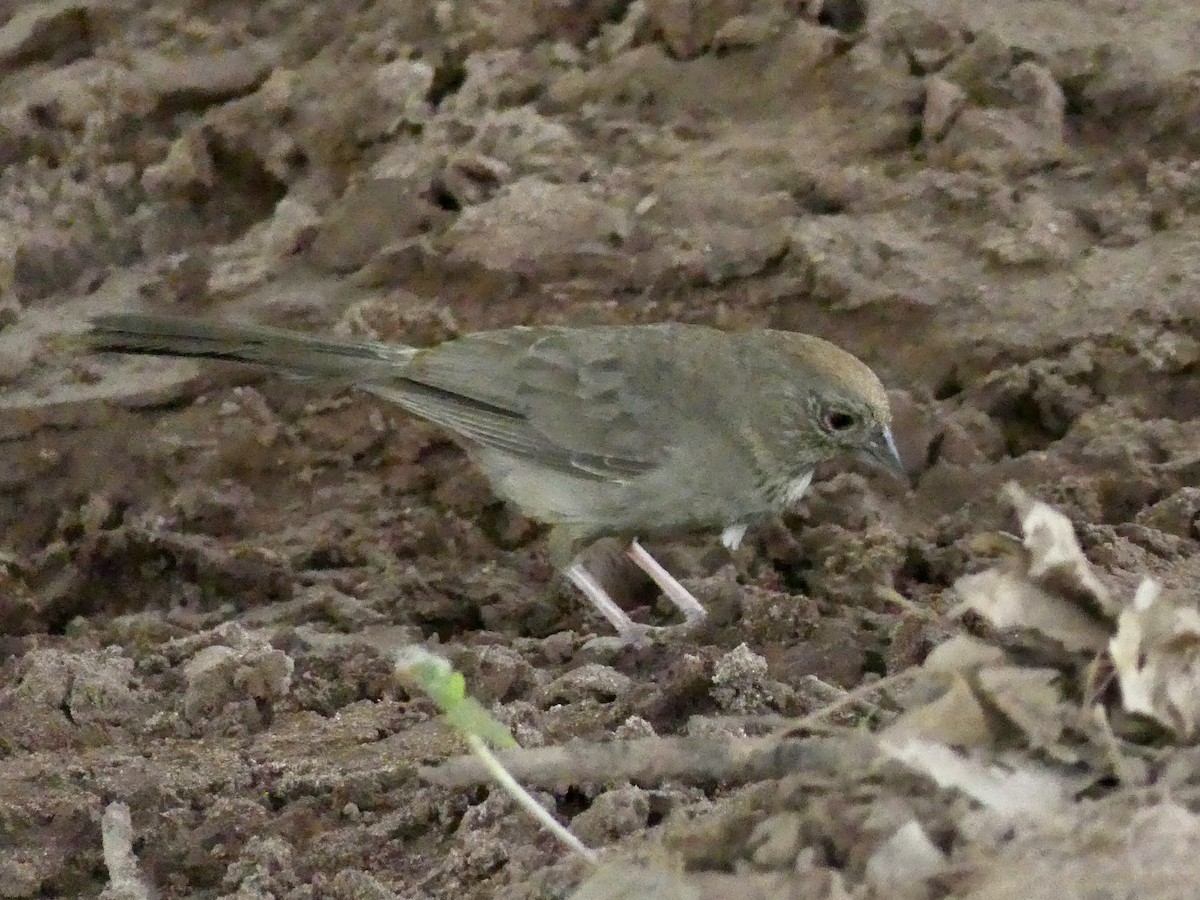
x: 205, y: 572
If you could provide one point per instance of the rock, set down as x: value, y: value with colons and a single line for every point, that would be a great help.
x: 371, y: 215
x: 199, y: 79
x: 998, y: 141
x: 927, y: 42
x: 253, y: 258
x: 589, y: 682
x: 944, y: 100
x: 689, y: 27
x: 220, y: 674
x: 49, y: 33
x: 534, y: 226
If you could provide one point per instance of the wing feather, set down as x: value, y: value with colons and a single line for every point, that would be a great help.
x: 506, y: 430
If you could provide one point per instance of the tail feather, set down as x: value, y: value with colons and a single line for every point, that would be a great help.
x: 273, y: 348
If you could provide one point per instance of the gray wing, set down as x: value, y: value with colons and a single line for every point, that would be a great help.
x: 586, y: 403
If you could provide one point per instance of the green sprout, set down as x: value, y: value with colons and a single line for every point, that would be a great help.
x: 438, y: 680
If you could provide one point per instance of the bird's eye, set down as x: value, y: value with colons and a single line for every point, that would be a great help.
x: 836, y: 420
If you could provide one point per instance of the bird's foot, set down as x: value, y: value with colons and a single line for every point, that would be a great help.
x: 635, y: 634
x: 629, y: 632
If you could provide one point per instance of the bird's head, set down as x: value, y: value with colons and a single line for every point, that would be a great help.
x: 843, y: 407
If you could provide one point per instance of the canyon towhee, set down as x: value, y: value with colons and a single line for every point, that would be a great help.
x: 625, y: 431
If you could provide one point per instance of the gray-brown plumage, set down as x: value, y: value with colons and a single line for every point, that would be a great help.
x: 626, y: 431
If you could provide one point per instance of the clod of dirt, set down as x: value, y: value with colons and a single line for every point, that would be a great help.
x: 927, y: 41
x: 534, y: 227
x: 1178, y: 514
x: 70, y: 697
x: 741, y: 685
x: 499, y: 673
x: 612, y: 814
x: 1026, y: 133
x: 266, y: 865
x: 221, y: 674
x: 372, y: 214
x: 200, y: 79
x: 591, y: 681
x: 689, y: 27
x: 355, y: 884
x: 258, y: 254
x: 1110, y: 850
x: 53, y: 32
x: 944, y: 100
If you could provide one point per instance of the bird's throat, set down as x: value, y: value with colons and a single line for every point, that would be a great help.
x: 796, y: 488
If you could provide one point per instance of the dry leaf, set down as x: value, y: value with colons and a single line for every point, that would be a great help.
x: 1156, y: 653
x: 1028, y: 792
x: 1051, y: 590
x: 956, y: 718
x: 1008, y: 600
x: 1055, y: 557
x: 963, y: 653
x: 901, y: 865
x: 1030, y: 699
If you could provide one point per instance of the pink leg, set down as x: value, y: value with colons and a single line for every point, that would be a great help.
x: 628, y: 629
x: 692, y: 611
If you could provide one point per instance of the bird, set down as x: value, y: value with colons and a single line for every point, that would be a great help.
x: 619, y: 431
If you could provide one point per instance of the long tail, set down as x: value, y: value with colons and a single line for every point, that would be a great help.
x: 274, y: 348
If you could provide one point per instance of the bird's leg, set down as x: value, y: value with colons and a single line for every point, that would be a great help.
x: 692, y: 611
x: 566, y: 546
x: 629, y: 630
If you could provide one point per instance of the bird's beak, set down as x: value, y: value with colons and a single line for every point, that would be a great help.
x: 882, y: 452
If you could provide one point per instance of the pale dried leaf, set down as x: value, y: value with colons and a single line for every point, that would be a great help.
x: 1055, y: 557
x: 963, y: 653
x: 626, y: 881
x: 1156, y: 654
x: 902, y: 864
x: 1028, y: 792
x: 1009, y: 600
x: 1030, y: 699
x: 956, y: 718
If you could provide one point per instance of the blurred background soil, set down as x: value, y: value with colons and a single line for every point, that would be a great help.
x: 204, y: 571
